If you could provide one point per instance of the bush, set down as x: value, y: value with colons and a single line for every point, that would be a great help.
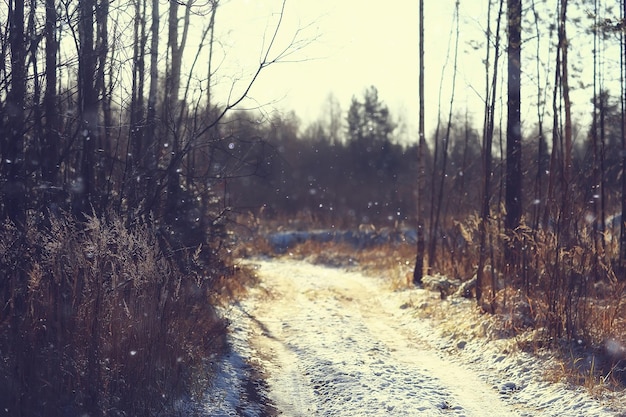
x: 96, y: 319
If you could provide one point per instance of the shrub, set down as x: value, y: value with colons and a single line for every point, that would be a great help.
x: 97, y: 319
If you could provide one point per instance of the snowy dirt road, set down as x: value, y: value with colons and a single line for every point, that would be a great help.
x: 332, y: 342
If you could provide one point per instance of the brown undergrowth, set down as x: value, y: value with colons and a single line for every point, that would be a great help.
x: 100, y: 319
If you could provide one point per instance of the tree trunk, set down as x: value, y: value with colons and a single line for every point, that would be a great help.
x: 622, y: 240
x: 84, y: 185
x: 13, y: 141
x: 550, y: 214
x: 135, y: 152
x: 152, y: 143
x: 513, y: 195
x: 209, y: 89
x: 490, y: 105
x: 102, y: 183
x: 566, y: 177
x: 538, y: 191
x: 13, y: 193
x: 49, y: 153
x: 513, y: 174
x: 418, y: 271
x: 172, y: 111
x: 32, y: 152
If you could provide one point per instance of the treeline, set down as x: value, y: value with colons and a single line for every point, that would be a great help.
x: 357, y: 174
x: 349, y: 168
x: 364, y: 171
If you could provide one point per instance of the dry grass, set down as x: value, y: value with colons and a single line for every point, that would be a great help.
x: 234, y: 285
x: 98, y: 319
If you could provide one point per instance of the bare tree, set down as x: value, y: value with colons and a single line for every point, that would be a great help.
x: 85, y: 186
x: 12, y: 134
x: 567, y: 109
x: 51, y: 138
x: 209, y: 89
x: 418, y: 271
x: 561, y: 157
x: 332, y: 110
x: 173, y: 106
x: 538, y: 191
x: 622, y: 240
x: 513, y: 195
x: 490, y: 102
x: 135, y: 149
x: 153, y: 144
x: 12, y: 164
x: 438, y: 191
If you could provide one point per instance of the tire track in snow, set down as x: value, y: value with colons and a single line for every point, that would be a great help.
x: 333, y: 349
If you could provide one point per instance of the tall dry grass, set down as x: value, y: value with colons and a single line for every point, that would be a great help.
x: 567, y: 288
x: 97, y: 319
x: 572, y: 286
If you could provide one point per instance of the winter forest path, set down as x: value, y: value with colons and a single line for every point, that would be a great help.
x: 337, y: 343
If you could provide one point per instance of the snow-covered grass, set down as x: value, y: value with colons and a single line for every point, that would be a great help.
x: 335, y: 342
x: 535, y: 377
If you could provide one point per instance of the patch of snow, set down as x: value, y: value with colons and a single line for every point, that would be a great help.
x: 283, y: 240
x: 235, y: 389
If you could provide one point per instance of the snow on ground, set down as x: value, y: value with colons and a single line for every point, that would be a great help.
x: 332, y: 342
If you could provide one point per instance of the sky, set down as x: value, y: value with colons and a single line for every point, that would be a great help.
x: 345, y: 46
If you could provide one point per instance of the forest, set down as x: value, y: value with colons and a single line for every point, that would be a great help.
x: 126, y: 176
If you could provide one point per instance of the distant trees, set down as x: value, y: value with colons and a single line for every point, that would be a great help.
x: 374, y: 158
x: 364, y: 176
x: 350, y: 176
